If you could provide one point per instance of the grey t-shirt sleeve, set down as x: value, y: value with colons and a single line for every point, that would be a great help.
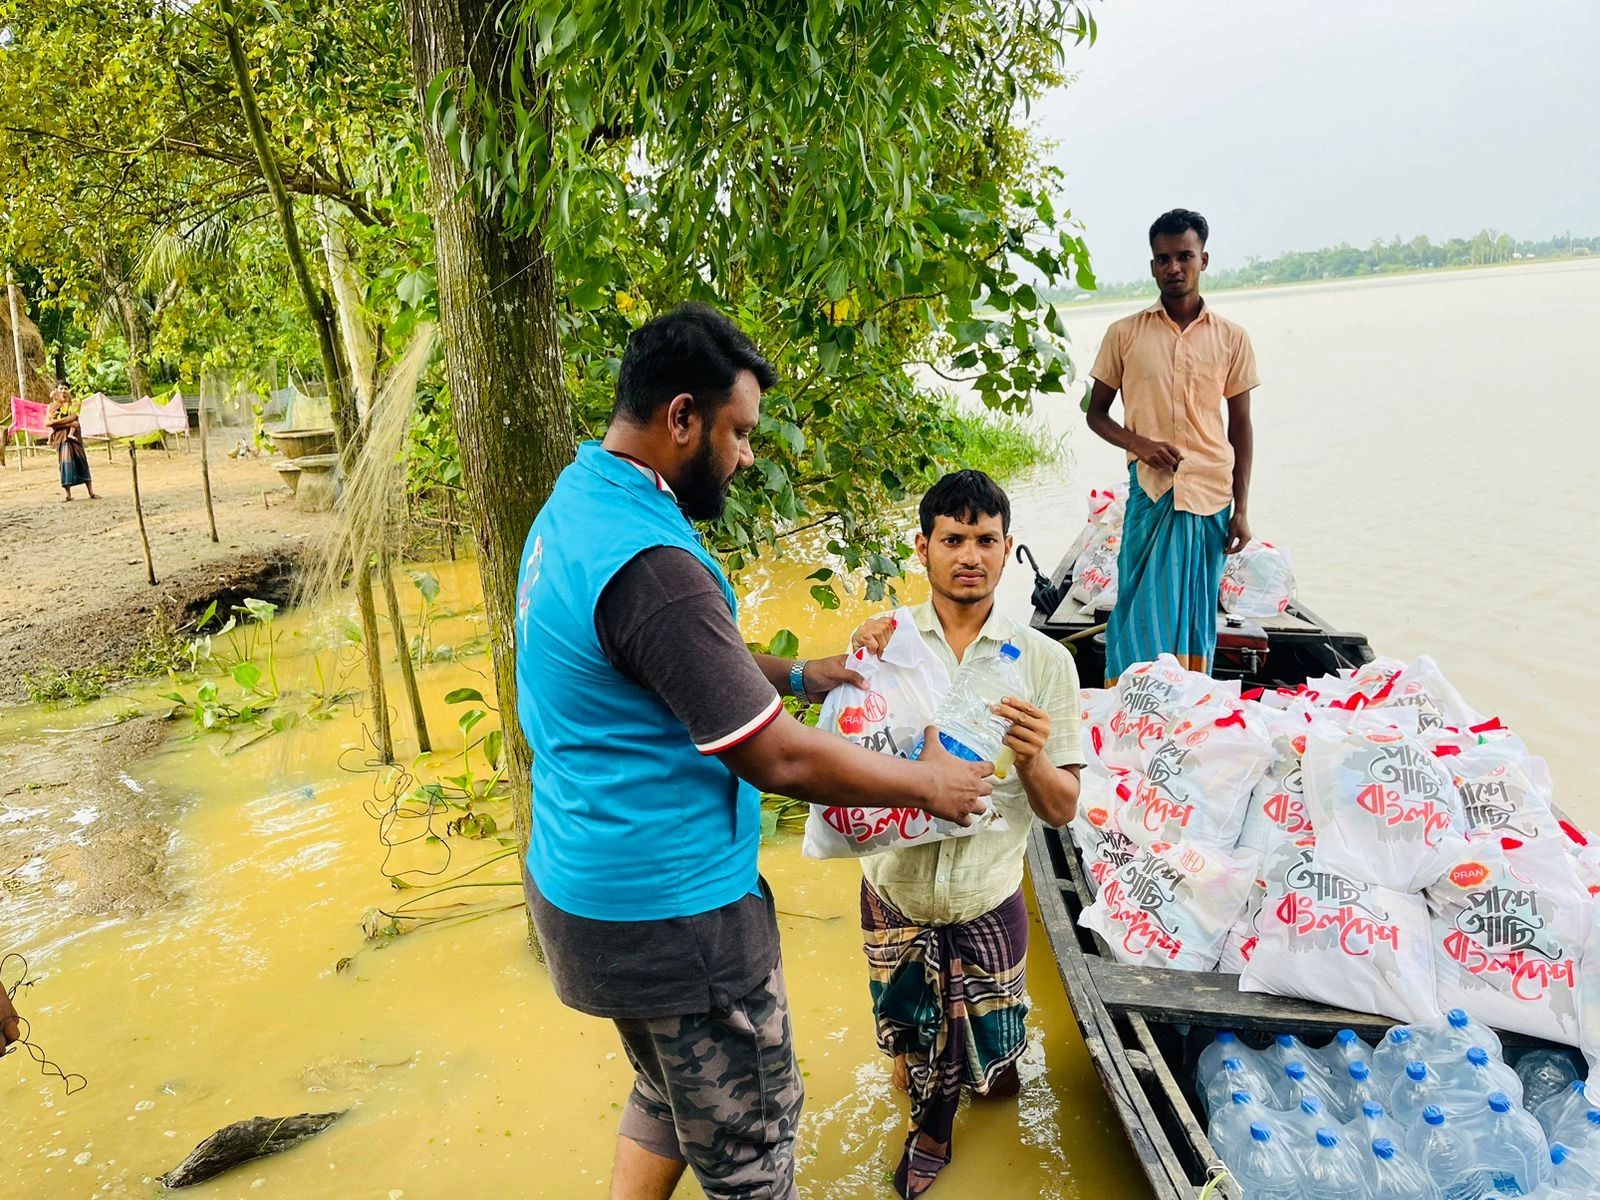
x: 663, y: 622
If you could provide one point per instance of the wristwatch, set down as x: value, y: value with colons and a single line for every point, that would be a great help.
x: 797, y: 677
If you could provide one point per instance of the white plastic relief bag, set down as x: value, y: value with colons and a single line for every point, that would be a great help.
x: 1094, y: 572
x: 1172, y: 906
x: 1195, y: 784
x: 1383, y: 807
x: 1240, y: 945
x: 1334, y: 939
x: 1150, y: 697
x: 903, y: 690
x: 1507, y: 940
x: 1277, y: 810
x: 1258, y: 581
x: 1097, y: 830
x: 1589, y: 995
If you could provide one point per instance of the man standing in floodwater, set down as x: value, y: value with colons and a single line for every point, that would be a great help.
x: 650, y: 721
x: 1177, y: 364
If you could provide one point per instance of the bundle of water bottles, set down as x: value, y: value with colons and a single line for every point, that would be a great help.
x: 1432, y: 1113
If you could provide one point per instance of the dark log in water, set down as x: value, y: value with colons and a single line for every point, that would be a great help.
x: 244, y: 1141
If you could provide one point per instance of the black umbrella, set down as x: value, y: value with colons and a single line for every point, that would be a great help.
x: 1046, y: 595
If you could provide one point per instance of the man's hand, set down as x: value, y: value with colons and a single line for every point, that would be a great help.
x: 1164, y: 456
x: 822, y: 675
x: 10, y: 1022
x: 1238, y: 533
x: 957, y: 787
x: 1030, y: 729
x: 873, y: 634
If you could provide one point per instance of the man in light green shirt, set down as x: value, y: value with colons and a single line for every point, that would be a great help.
x: 959, y: 901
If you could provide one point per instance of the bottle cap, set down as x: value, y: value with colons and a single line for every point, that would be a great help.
x: 1399, y: 1034
x: 1558, y: 1154
x: 1383, y: 1148
x: 1285, y: 1040
x: 1227, y: 1035
x: 1260, y: 1132
x: 1007, y: 650
x: 1458, y: 1018
x: 1327, y: 1138
x: 1359, y: 1071
x: 1232, y: 1064
x: 1311, y: 1106
x: 1371, y: 1110
x: 1433, y: 1115
x: 1500, y: 1102
x: 1243, y: 1098
x: 1346, y: 1037
x: 1478, y: 1056
x: 1417, y: 1071
x: 1592, y: 1116
x: 1295, y: 1071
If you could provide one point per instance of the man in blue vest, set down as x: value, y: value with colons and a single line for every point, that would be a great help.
x: 654, y: 732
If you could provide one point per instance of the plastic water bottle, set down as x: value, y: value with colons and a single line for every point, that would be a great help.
x: 1239, y: 1075
x: 1397, y: 1049
x: 1544, y: 1073
x: 1456, y: 1033
x: 1310, y: 1116
x: 1224, y: 1046
x: 1373, y: 1124
x: 1474, y: 1075
x: 1346, y: 1048
x: 1578, y: 1175
x: 968, y: 726
x: 1286, y: 1049
x: 1264, y: 1165
x: 1580, y: 1133
x: 1356, y: 1088
x: 1299, y: 1083
x: 1416, y: 1089
x: 1449, y: 1156
x: 1563, y: 1110
x: 1392, y: 1174
x: 1231, y: 1122
x: 1511, y: 1146
x: 1330, y: 1169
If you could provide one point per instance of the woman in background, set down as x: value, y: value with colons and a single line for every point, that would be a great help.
x: 66, y: 438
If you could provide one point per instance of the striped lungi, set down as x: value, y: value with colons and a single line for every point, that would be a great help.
x: 950, y: 999
x: 1169, y: 571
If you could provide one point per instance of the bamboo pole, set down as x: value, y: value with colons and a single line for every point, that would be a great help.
x: 205, y: 467
x: 138, y: 511
x: 408, y: 675
x: 16, y: 350
x: 369, y: 634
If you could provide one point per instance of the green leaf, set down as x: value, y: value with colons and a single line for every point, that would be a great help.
x: 784, y: 644
x: 246, y: 675
x: 824, y: 595
x: 462, y: 695
x: 427, y: 583
x: 493, y: 746
x: 470, y: 718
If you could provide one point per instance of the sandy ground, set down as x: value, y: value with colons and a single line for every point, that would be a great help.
x: 73, y: 591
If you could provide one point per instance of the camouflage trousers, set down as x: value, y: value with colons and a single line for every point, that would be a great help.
x: 720, y: 1091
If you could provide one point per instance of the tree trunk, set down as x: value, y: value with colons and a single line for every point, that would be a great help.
x: 497, y: 310
x: 359, y: 358
x: 133, y: 328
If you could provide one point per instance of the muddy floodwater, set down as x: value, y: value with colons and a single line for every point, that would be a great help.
x: 192, y: 907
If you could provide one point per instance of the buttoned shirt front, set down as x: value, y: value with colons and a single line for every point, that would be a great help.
x: 1173, y: 383
x: 960, y: 879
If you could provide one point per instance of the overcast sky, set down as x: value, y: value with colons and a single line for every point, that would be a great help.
x: 1294, y: 124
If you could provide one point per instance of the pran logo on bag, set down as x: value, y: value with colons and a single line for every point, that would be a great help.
x: 1469, y: 874
x: 1098, y: 817
x: 852, y: 722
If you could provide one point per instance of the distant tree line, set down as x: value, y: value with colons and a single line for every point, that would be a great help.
x: 1345, y: 261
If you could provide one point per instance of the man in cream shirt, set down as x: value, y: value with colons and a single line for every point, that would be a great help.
x: 945, y: 926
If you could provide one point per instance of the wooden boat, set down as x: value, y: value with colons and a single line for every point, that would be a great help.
x: 1144, y: 1027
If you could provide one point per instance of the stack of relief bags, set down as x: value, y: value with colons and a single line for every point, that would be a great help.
x: 1367, y: 841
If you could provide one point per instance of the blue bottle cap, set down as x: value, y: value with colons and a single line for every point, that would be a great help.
x: 1327, y: 1138
x: 1359, y: 1071
x: 1346, y: 1037
x: 1285, y: 1040
x: 1416, y: 1071
x: 1383, y: 1148
x: 1500, y: 1102
x: 1232, y: 1064
x: 1399, y: 1034
x: 1227, y: 1035
x: 1458, y: 1018
x: 1575, y: 1086
x: 1593, y: 1116
x: 1371, y: 1110
x: 1433, y: 1115
x: 1311, y: 1106
x: 1558, y: 1154
x: 1260, y: 1132
x: 1295, y: 1071
x: 1243, y: 1098
x: 1478, y: 1056
x: 1009, y: 651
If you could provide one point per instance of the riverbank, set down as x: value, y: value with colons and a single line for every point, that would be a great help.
x: 72, y: 577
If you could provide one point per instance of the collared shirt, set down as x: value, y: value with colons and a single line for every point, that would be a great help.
x: 960, y: 879
x: 1173, y: 383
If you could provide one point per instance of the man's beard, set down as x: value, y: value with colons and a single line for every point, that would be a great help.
x: 700, y: 494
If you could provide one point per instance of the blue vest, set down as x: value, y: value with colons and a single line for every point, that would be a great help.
x: 630, y: 821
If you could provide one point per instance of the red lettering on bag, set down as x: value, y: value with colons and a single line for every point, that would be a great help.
x: 1469, y: 875
x: 852, y: 722
x: 1378, y: 801
x: 1287, y: 813
x: 1526, y: 979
